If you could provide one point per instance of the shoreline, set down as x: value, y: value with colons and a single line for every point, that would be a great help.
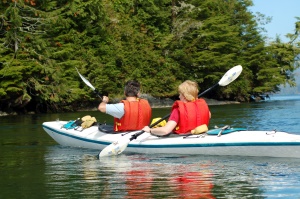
x: 154, y: 102
x: 167, y: 103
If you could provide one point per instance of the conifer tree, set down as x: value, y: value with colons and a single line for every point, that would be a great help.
x: 158, y: 42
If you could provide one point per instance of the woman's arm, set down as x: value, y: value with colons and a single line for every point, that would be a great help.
x: 164, y: 130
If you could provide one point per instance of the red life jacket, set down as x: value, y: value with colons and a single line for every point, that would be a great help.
x: 137, y: 115
x: 191, y: 115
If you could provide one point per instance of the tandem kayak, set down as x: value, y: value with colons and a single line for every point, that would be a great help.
x: 220, y: 141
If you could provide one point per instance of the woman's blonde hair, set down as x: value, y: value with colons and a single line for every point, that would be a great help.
x: 189, y: 89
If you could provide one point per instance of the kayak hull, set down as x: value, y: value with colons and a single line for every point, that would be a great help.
x: 238, y: 143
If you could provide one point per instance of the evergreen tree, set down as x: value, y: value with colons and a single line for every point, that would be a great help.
x: 276, y: 65
x: 214, y: 38
x: 21, y: 24
x: 158, y: 42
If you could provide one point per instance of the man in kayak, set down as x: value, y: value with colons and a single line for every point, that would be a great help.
x: 187, y: 113
x: 130, y: 114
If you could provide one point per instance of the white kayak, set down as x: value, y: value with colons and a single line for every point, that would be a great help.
x: 229, y: 141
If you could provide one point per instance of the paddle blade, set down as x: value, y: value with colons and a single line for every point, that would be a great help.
x: 231, y: 75
x: 114, y: 148
x: 85, y: 81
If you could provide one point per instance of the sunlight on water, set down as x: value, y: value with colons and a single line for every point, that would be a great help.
x: 277, y: 114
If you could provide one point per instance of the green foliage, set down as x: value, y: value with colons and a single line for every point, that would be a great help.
x: 158, y: 42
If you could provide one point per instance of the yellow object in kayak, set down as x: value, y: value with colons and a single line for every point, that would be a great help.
x: 162, y: 123
x: 88, y: 121
x: 200, y: 129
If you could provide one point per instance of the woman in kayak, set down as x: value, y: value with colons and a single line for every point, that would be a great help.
x: 130, y: 114
x: 187, y: 113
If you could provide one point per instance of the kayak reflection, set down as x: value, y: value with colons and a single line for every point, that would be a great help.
x: 144, y: 178
x: 73, y: 173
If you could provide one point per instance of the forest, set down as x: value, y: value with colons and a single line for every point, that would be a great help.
x: 160, y: 43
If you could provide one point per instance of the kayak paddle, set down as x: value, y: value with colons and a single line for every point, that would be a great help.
x: 119, y: 146
x: 89, y: 84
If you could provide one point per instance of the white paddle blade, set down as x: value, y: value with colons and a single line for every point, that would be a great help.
x: 85, y: 81
x: 115, y: 148
x: 231, y: 75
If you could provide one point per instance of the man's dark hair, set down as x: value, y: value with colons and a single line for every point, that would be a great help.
x: 132, y: 88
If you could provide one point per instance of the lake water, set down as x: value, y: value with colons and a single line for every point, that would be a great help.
x: 32, y: 165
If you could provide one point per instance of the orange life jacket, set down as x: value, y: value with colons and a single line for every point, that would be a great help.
x: 137, y: 115
x: 191, y: 115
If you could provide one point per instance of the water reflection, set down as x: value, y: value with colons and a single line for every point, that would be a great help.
x: 192, y: 184
x: 149, y: 178
x: 168, y: 176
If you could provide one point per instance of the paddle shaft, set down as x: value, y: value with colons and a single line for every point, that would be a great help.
x: 134, y: 136
x: 98, y: 94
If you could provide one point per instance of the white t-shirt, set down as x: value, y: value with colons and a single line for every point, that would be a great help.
x: 115, y: 110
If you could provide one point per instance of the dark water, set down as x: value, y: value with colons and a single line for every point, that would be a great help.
x: 32, y: 165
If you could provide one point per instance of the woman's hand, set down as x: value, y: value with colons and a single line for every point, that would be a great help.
x: 146, y: 129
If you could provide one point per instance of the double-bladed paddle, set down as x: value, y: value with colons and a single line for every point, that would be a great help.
x: 119, y: 146
x: 89, y: 85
